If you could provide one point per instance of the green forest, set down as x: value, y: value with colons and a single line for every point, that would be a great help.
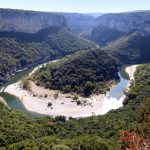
x: 19, y: 131
x: 19, y: 50
x: 92, y: 71
x: 86, y: 64
x: 131, y: 49
x: 85, y: 73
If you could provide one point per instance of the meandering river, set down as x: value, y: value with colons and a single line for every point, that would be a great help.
x: 115, y: 95
x: 12, y: 101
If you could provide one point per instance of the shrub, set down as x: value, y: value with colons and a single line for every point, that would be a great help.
x: 26, y: 84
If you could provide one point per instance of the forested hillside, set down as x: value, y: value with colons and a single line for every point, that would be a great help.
x: 28, y: 38
x: 110, y: 27
x: 19, y: 50
x: 103, y: 35
x: 134, y: 48
x: 85, y: 73
x: 18, y: 131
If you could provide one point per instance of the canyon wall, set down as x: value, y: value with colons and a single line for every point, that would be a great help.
x: 126, y: 22
x: 29, y: 21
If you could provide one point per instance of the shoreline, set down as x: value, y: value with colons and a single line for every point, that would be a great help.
x: 4, y: 102
x: 130, y: 71
x: 64, y: 105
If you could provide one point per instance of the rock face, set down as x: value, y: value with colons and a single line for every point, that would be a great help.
x: 110, y: 27
x: 127, y: 22
x: 29, y: 21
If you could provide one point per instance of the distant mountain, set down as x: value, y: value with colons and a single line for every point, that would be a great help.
x: 78, y: 22
x: 134, y: 48
x: 95, y: 15
x: 127, y: 22
x: 110, y: 27
x: 29, y: 21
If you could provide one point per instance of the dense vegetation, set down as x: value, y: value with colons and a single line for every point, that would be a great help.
x: 84, y: 72
x: 18, y: 131
x: 131, y: 49
x: 103, y: 35
x: 19, y: 50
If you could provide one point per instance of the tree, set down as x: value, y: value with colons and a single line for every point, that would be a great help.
x: 88, y: 88
x: 67, y: 88
x: 60, y: 118
x: 133, y: 141
x: 61, y: 147
x: 26, y: 84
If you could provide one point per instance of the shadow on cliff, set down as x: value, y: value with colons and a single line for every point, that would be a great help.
x: 29, y: 37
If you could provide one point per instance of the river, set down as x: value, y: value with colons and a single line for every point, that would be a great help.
x: 115, y: 94
x: 12, y: 101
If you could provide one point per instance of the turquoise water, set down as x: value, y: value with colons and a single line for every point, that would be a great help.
x: 118, y: 90
x: 12, y: 101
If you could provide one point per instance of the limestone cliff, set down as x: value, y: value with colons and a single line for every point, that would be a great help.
x: 29, y: 21
x: 126, y: 22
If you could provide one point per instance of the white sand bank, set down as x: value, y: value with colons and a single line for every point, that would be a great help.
x: 61, y: 105
x: 131, y: 70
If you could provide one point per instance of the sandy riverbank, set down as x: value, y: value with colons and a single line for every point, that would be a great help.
x: 63, y: 105
x: 131, y: 70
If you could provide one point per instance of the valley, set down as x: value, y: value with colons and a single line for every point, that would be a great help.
x: 72, y: 81
x: 35, y: 100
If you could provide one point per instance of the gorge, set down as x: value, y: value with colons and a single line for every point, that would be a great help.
x: 74, y: 80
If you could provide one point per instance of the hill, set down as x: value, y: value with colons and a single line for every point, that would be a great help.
x: 112, y: 26
x: 84, y: 73
x: 131, y: 49
x: 30, y: 37
x: 20, y: 50
x: 103, y: 35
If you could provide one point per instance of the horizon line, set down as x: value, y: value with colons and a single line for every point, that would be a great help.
x: 73, y: 12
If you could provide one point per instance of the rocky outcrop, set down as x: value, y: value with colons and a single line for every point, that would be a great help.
x: 29, y: 21
x: 126, y: 22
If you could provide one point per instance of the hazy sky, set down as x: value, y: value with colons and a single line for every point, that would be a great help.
x: 77, y: 5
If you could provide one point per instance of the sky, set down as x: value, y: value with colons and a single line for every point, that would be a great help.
x: 81, y: 6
